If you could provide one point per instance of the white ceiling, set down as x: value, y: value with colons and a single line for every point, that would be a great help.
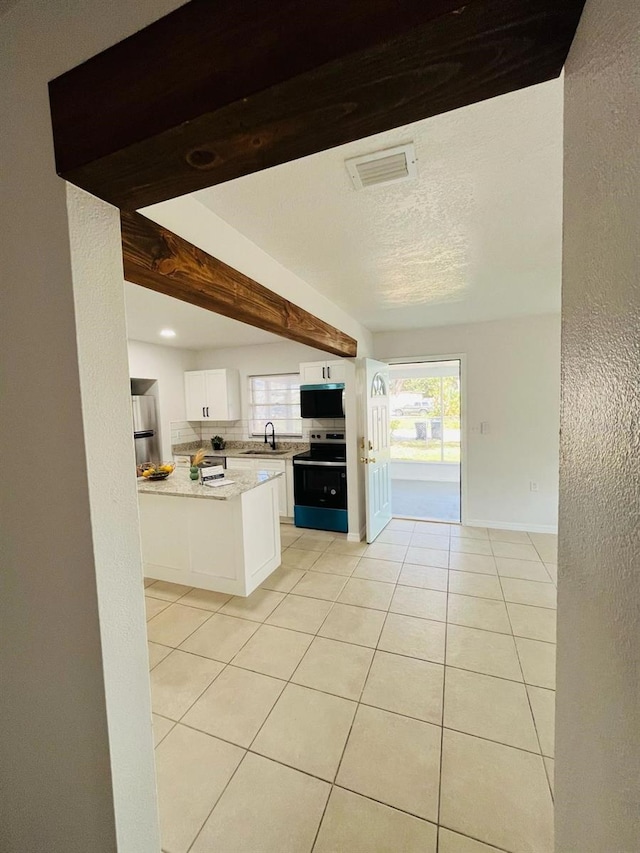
x: 476, y: 237
x: 149, y: 312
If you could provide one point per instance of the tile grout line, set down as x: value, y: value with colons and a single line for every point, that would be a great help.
x: 444, y: 685
x: 204, y: 823
x: 246, y: 749
x: 379, y: 609
x: 358, y: 705
x: 530, y: 706
x: 360, y: 646
x: 346, y: 642
x: 316, y: 634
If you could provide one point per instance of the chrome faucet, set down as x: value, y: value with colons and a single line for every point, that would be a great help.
x: 273, y: 435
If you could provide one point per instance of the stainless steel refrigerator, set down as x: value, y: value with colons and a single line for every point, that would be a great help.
x: 145, y: 429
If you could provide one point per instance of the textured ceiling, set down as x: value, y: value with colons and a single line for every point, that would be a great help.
x: 476, y: 237
x: 149, y: 312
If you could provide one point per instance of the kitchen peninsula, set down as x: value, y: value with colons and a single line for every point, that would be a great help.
x: 225, y: 538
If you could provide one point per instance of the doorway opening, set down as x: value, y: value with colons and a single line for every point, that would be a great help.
x: 426, y: 440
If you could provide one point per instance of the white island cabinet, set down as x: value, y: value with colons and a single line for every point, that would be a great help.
x: 285, y: 490
x: 225, y: 539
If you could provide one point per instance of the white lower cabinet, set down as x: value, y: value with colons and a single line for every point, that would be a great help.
x: 243, y: 464
x: 285, y: 483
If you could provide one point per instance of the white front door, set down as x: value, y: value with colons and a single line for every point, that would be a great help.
x: 375, y: 455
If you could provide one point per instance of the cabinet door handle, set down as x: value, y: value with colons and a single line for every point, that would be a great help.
x: 323, y: 376
x: 207, y: 411
x: 328, y: 373
x: 203, y: 414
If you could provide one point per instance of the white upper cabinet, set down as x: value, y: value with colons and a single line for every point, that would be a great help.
x: 322, y: 372
x: 313, y: 372
x: 336, y: 371
x: 195, y: 395
x: 212, y: 395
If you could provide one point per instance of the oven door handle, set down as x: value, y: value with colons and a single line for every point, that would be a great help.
x: 320, y: 464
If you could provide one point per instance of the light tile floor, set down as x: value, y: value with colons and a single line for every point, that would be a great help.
x: 392, y: 697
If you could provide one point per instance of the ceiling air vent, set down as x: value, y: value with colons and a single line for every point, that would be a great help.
x: 383, y: 167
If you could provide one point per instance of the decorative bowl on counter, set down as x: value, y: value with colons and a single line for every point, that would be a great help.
x: 157, y: 470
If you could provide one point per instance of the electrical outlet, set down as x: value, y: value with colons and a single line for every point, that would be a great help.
x: 533, y: 487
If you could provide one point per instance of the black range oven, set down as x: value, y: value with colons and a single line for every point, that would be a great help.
x: 320, y: 483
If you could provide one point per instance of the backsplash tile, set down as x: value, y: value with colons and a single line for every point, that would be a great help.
x: 186, y: 432
x: 240, y: 430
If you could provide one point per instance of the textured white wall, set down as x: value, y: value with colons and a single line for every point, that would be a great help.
x: 76, y: 768
x: 96, y: 259
x: 598, y: 716
x: 512, y: 371
x: 167, y: 365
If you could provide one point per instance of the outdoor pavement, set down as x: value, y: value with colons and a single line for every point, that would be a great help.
x: 425, y: 499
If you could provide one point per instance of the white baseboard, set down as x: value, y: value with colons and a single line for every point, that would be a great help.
x: 357, y: 537
x: 508, y: 525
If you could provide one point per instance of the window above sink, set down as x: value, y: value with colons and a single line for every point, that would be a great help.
x: 275, y: 398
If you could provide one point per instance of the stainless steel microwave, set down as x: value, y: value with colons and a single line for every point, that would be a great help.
x: 322, y: 401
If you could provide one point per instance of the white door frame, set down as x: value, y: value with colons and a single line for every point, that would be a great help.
x: 462, y: 358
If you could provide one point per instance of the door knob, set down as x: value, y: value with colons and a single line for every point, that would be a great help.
x: 364, y: 459
x: 373, y: 460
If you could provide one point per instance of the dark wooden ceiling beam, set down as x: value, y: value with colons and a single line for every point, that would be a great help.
x: 217, y: 90
x: 156, y: 258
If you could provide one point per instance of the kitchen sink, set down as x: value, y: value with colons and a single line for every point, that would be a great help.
x: 264, y: 452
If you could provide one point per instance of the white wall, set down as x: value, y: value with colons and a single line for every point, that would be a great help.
x: 281, y: 357
x: 77, y: 763
x: 598, y: 716
x: 167, y: 365
x: 512, y: 381
x: 190, y: 219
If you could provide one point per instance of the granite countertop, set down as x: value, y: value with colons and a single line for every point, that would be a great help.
x: 234, y: 451
x: 179, y: 484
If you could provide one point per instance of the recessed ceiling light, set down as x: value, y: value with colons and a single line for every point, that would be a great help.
x: 168, y: 333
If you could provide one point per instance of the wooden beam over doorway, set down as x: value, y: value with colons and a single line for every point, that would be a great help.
x: 218, y: 90
x: 156, y: 258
